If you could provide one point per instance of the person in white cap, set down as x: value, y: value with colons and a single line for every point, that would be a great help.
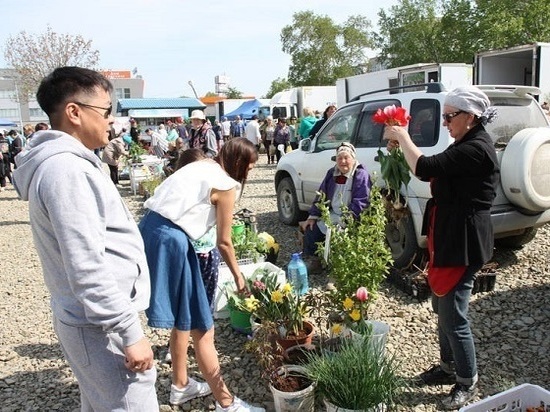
x: 202, y: 135
x: 457, y: 222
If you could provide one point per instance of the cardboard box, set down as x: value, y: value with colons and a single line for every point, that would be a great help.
x: 225, y: 277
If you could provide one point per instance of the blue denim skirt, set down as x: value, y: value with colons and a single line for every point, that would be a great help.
x: 178, y: 296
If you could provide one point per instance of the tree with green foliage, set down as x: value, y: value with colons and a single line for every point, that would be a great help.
x: 233, y: 93
x: 322, y: 51
x: 277, y: 86
x: 423, y: 31
x: 35, y: 56
x: 409, y: 33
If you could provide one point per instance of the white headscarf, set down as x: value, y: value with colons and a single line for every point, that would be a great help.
x: 472, y: 100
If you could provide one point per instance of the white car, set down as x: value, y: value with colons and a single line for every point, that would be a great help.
x: 521, y: 134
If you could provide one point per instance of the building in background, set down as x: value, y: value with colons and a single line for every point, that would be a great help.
x: 126, y: 84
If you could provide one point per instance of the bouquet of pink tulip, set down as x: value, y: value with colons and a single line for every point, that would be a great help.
x: 393, y: 167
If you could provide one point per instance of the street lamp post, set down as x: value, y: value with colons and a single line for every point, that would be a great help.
x: 190, y: 83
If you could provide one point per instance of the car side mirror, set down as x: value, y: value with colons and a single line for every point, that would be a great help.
x: 305, y: 144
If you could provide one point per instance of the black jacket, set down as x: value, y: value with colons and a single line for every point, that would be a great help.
x: 463, y: 179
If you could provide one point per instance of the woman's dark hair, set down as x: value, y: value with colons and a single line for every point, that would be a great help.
x: 40, y: 126
x: 236, y: 156
x: 325, y: 113
x: 64, y: 83
x: 189, y: 156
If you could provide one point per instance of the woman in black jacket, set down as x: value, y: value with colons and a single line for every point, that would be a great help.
x: 457, y: 222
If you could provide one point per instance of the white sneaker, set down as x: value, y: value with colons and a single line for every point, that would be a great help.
x: 238, y: 405
x: 193, y: 390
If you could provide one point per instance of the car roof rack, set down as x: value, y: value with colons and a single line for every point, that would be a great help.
x: 516, y: 89
x: 432, y: 87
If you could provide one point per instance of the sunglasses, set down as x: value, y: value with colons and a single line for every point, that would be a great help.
x: 449, y: 116
x: 108, y: 110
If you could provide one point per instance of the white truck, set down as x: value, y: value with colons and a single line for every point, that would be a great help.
x: 291, y: 102
x: 526, y: 65
x: 451, y: 75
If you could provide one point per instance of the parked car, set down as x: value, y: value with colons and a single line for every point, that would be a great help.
x: 521, y: 134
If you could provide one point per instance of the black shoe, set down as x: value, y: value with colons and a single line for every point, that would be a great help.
x: 459, y: 396
x: 437, y: 376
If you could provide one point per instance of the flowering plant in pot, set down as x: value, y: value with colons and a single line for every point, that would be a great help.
x: 278, y: 305
x: 251, y: 245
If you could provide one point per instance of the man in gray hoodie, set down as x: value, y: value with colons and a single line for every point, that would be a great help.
x: 90, y: 247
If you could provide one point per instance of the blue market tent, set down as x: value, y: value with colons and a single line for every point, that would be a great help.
x: 245, y: 110
x: 7, y: 123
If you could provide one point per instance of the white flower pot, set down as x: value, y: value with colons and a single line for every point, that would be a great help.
x: 333, y: 408
x: 303, y: 400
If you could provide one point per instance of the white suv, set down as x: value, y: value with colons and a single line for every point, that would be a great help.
x: 521, y: 134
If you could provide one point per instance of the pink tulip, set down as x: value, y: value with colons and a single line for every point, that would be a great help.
x: 362, y: 294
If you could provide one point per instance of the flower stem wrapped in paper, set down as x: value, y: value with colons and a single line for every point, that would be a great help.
x: 393, y: 166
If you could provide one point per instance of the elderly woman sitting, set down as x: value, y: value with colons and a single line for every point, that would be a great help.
x: 346, y: 184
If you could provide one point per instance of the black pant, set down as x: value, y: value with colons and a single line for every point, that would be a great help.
x: 114, y: 173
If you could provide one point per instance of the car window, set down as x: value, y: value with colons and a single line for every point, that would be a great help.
x: 369, y: 133
x: 514, y: 114
x: 425, y: 122
x: 339, y: 128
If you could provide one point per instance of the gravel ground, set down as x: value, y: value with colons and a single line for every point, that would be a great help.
x: 510, y: 324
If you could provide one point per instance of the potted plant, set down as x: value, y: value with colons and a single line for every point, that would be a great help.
x: 281, y: 311
x: 350, y: 320
x: 355, y: 378
x: 291, y: 387
x: 359, y: 254
x: 251, y: 245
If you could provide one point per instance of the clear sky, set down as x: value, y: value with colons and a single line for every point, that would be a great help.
x: 172, y: 42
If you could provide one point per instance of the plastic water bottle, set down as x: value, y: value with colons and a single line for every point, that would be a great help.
x: 297, y: 274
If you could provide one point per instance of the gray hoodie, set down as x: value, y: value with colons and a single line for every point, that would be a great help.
x: 90, y: 247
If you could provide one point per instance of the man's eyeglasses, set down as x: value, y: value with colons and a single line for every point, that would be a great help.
x: 449, y: 116
x: 108, y: 110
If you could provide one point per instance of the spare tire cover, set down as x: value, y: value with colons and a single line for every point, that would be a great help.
x: 525, y: 169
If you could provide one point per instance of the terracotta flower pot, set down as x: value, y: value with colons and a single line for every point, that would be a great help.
x: 305, y: 336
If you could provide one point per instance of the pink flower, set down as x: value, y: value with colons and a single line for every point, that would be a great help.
x: 392, y: 116
x: 362, y: 294
x: 259, y: 285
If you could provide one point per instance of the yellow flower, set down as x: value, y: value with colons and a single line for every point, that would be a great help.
x: 277, y: 296
x: 355, y: 315
x: 287, y: 288
x: 337, y: 329
x: 348, y: 303
x: 251, y: 303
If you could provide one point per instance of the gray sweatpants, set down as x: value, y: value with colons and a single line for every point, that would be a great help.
x: 97, y: 360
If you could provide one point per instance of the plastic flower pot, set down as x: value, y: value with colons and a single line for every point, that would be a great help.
x: 291, y: 400
x: 240, y: 321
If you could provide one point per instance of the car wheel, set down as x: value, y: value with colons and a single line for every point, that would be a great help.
x: 401, y: 238
x: 517, y: 241
x: 287, y: 202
